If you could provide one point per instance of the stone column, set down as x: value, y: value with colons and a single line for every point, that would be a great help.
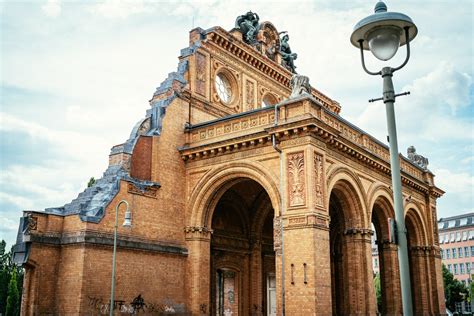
x: 419, y: 279
x: 360, y: 285
x: 256, y: 278
x: 198, y: 269
x: 307, y: 264
x: 437, y: 287
x: 390, y: 280
x: 306, y: 234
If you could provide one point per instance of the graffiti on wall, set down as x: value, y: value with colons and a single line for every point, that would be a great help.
x: 135, y: 306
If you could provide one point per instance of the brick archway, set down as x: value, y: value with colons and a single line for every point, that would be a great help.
x: 349, y: 245
x: 214, y: 184
x: 381, y: 206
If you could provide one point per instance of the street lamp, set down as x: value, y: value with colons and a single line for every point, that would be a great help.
x: 126, y: 223
x: 381, y: 33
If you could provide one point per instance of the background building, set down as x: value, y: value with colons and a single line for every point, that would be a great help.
x: 456, y: 238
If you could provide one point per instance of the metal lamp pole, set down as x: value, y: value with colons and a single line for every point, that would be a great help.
x: 380, y: 32
x: 127, y: 223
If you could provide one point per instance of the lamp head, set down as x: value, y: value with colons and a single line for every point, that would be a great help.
x: 128, y: 219
x: 381, y: 32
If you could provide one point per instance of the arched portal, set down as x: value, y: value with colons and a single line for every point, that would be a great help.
x: 388, y: 272
x: 242, y: 254
x: 351, y: 277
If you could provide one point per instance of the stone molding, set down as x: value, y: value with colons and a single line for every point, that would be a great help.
x: 104, y: 239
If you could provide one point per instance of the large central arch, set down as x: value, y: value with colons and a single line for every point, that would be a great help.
x: 237, y: 203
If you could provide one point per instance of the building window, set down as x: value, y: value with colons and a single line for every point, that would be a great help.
x: 448, y: 253
x: 458, y: 236
x: 450, y: 268
x: 466, y: 252
x: 472, y: 251
x: 468, y: 268
x: 268, y: 100
x: 441, y: 239
x: 454, y: 253
x: 460, y: 252
x: 223, y: 88
x: 455, y: 266
x: 451, y: 237
x: 464, y: 235
x: 446, y: 238
x: 461, y: 268
x: 442, y: 253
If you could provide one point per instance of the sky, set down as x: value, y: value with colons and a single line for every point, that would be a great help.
x: 77, y: 75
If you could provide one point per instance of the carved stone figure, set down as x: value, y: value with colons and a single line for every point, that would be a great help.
x: 299, y: 86
x: 248, y: 25
x: 287, y: 56
x: 417, y: 159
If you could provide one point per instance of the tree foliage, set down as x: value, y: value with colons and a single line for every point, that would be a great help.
x: 91, y: 182
x: 454, y: 290
x: 11, y: 283
x: 13, y: 300
x: 378, y: 291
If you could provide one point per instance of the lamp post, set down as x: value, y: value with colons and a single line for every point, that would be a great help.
x: 126, y: 223
x: 381, y: 33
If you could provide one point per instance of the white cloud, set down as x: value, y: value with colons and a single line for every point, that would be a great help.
x: 459, y: 184
x: 52, y: 8
x: 121, y: 8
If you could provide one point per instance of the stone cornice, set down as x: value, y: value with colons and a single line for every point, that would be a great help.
x: 300, y: 117
x: 103, y: 239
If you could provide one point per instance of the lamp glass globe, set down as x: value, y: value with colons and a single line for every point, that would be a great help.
x: 384, y: 42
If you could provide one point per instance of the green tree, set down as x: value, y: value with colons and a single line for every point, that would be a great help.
x: 4, y: 277
x: 378, y: 291
x: 91, y: 182
x: 13, y: 300
x: 454, y: 291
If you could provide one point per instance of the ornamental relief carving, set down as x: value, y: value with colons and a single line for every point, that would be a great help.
x: 249, y: 95
x: 318, y: 180
x: 296, y: 179
x: 201, y: 63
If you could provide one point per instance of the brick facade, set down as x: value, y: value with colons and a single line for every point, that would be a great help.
x: 230, y: 197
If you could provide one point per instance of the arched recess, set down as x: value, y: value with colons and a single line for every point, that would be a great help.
x: 418, y: 259
x: 351, y: 284
x: 382, y: 208
x: 238, y: 202
x: 210, y: 188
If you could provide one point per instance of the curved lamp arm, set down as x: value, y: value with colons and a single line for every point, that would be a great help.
x: 363, y: 61
x: 408, y: 51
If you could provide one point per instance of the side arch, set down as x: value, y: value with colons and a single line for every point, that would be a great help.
x: 209, y: 189
x: 347, y: 181
x: 414, y: 220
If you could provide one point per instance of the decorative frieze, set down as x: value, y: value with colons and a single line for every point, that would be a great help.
x: 358, y: 231
x: 296, y: 179
x: 198, y: 233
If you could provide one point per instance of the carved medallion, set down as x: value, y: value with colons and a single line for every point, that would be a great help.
x: 296, y: 181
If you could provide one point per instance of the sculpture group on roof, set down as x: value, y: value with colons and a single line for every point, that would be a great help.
x: 256, y: 35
